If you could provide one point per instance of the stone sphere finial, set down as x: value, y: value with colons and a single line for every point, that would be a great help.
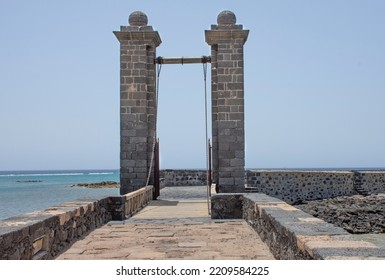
x: 226, y: 18
x: 138, y: 18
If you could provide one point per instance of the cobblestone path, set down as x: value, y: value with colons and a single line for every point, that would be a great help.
x: 176, y: 226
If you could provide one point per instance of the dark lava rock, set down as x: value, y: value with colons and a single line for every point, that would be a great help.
x: 104, y: 184
x: 29, y: 181
x: 356, y: 214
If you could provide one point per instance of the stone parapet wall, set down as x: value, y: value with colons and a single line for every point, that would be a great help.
x: 294, y: 186
x: 123, y: 207
x: 373, y: 181
x: 297, y: 186
x: 44, y: 235
x: 183, y: 177
x: 292, y: 234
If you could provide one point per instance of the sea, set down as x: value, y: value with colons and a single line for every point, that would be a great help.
x: 28, y: 191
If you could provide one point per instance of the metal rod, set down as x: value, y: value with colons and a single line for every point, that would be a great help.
x: 210, y: 170
x: 156, y: 171
x: 182, y: 60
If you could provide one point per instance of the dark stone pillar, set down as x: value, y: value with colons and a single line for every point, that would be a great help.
x: 138, y: 43
x: 226, y: 40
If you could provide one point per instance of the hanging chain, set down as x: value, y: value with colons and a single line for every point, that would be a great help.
x: 158, y: 69
x: 206, y: 137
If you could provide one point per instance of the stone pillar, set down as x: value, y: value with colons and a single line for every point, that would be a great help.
x: 228, y: 128
x: 138, y: 43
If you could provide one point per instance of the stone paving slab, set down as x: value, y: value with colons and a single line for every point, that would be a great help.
x: 171, y: 229
x: 163, y: 209
x: 172, y: 240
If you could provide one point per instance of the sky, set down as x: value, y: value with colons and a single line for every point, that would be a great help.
x: 314, y: 82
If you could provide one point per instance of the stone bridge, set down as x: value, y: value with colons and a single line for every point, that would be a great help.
x: 177, y: 224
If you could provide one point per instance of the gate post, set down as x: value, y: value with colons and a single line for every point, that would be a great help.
x: 138, y: 43
x: 228, y: 121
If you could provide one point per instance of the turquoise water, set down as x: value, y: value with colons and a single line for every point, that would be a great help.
x: 27, y: 191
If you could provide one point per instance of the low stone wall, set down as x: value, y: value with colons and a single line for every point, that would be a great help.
x: 183, y: 177
x: 44, y: 235
x: 123, y: 207
x: 297, y: 186
x: 294, y: 186
x: 292, y: 234
x: 373, y: 182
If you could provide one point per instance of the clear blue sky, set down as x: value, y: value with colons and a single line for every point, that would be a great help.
x: 314, y: 82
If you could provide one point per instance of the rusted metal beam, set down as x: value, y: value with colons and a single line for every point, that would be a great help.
x: 182, y: 60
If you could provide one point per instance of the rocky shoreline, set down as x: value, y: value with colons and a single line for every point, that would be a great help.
x: 104, y: 184
x: 356, y: 214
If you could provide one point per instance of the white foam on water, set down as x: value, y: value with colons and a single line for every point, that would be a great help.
x: 42, y: 174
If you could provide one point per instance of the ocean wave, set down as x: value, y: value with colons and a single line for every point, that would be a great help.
x: 100, y: 173
x: 41, y: 174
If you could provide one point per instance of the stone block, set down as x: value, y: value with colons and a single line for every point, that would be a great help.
x: 223, y: 146
x: 138, y: 110
x: 227, y: 138
x: 224, y: 162
x: 240, y: 182
x: 141, y: 163
x: 225, y: 64
x: 227, y: 206
x: 240, y: 173
x: 231, y: 189
x: 135, y: 140
x: 227, y: 169
x: 224, y: 78
x: 240, y: 154
x: 127, y: 163
x: 128, y: 132
x: 140, y: 155
x: 126, y: 147
x: 223, y: 109
x: 225, y: 181
x: 141, y: 175
x: 140, y: 169
x: 236, y: 109
x: 236, y: 116
x: 235, y: 86
x: 229, y: 155
x: 227, y: 124
x: 237, y: 162
x: 141, y: 133
x: 125, y: 118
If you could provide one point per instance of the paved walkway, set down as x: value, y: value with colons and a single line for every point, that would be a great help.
x: 176, y: 226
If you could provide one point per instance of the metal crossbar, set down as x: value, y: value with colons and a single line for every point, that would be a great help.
x: 182, y: 60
